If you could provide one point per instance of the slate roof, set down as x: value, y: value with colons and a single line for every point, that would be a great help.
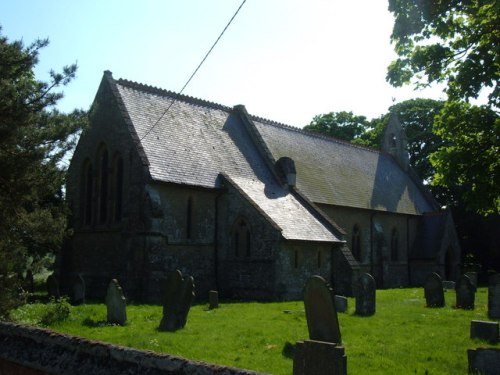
x: 334, y: 172
x: 194, y: 142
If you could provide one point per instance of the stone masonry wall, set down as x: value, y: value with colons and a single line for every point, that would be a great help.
x: 33, y: 351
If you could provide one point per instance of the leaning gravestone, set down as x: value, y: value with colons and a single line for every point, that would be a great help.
x: 485, y: 361
x: 116, y: 304
x: 321, y: 315
x: 322, y: 354
x: 465, y: 293
x: 482, y: 330
x: 77, y: 296
x: 494, y: 296
x: 433, y: 290
x: 179, y: 295
x: 53, y: 286
x: 365, y: 293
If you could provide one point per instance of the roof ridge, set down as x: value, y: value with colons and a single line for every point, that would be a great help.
x: 313, y: 134
x: 168, y: 93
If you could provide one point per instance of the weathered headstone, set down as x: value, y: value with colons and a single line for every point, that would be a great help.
x: 340, y: 303
x: 321, y: 315
x: 319, y: 358
x: 365, y: 293
x: 465, y: 293
x: 179, y: 295
x: 116, y: 304
x: 448, y: 284
x: 433, y: 290
x: 494, y: 296
x: 77, y: 296
x: 53, y: 286
x: 485, y: 361
x: 487, y: 331
x: 213, y: 299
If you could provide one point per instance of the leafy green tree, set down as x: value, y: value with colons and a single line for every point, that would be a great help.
x: 456, y: 42
x: 34, y: 138
x: 342, y: 125
x: 471, y: 155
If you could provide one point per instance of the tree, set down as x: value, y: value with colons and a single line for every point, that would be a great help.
x: 458, y: 43
x: 342, y: 125
x: 455, y: 42
x: 470, y: 157
x: 34, y: 138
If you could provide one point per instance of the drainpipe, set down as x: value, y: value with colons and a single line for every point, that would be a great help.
x: 371, y: 242
x: 408, y: 248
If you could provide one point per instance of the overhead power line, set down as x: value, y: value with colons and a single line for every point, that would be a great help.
x: 194, y: 73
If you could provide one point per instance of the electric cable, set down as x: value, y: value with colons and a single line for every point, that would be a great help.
x: 194, y: 73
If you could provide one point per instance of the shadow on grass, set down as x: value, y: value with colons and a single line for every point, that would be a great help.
x: 288, y: 350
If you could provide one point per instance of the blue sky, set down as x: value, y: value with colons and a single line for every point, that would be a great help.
x: 285, y: 60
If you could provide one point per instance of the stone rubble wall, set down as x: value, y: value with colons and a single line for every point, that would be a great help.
x: 35, y: 351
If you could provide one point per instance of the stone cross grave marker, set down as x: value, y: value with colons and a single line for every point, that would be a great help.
x: 179, y: 295
x: 365, y: 293
x: 433, y: 291
x: 53, y: 286
x: 494, y: 296
x: 465, y: 293
x: 321, y: 315
x: 77, y: 296
x: 116, y: 304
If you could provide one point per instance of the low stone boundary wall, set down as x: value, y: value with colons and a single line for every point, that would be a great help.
x: 29, y: 350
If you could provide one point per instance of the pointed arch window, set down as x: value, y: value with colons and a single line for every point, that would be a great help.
x: 117, y: 188
x: 86, y: 192
x: 356, y: 242
x: 241, y: 238
x: 394, y: 245
x: 103, y: 185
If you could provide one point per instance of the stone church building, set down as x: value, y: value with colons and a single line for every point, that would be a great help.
x: 247, y: 206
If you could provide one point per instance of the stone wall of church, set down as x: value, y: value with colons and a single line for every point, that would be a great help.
x: 386, y: 240
x: 247, y: 245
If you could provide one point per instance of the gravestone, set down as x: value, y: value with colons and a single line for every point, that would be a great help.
x: 494, y: 296
x: 77, y: 296
x: 213, y: 299
x: 116, y: 304
x: 473, y: 278
x: 365, y: 293
x: 53, y: 286
x: 433, y: 290
x: 319, y: 358
x: 179, y: 295
x: 485, y: 361
x: 465, y: 293
x: 487, y: 331
x: 321, y: 315
x: 340, y: 303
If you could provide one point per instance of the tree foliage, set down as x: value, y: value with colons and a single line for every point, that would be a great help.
x: 342, y: 125
x: 470, y: 157
x: 456, y: 42
x: 34, y: 138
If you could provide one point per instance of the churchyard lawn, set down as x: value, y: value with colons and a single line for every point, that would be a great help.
x: 403, y: 337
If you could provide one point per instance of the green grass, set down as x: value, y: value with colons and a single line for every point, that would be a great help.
x: 403, y: 337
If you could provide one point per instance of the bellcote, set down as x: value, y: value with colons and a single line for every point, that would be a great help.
x: 395, y: 142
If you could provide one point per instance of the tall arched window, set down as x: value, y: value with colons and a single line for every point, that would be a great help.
x: 356, y: 242
x: 189, y: 217
x: 394, y: 245
x: 86, y: 193
x: 241, y: 238
x: 103, y: 185
x: 117, y: 188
